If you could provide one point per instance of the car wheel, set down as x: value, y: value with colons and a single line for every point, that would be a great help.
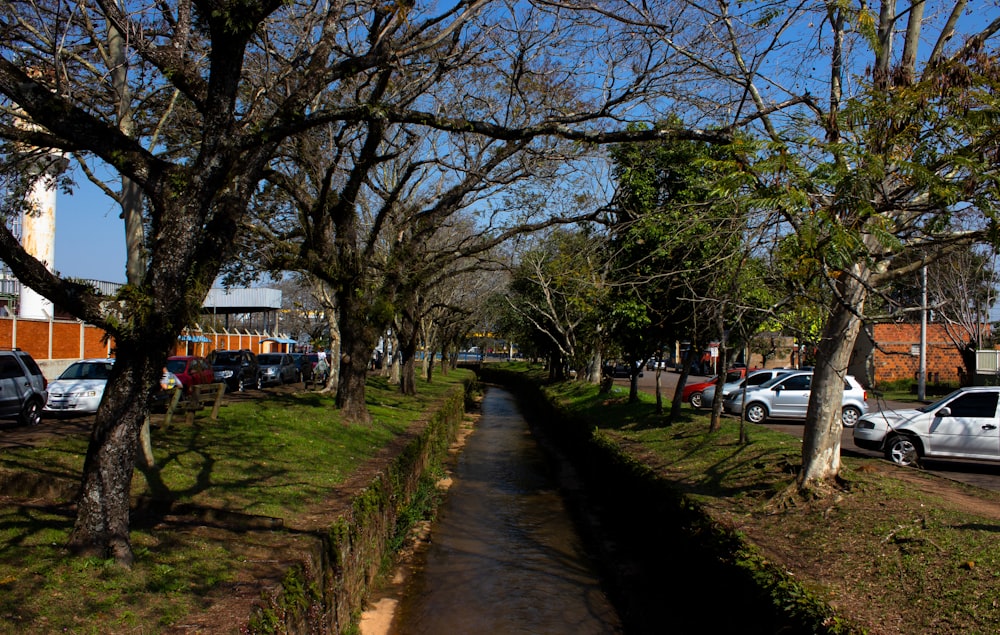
x: 756, y: 413
x: 260, y: 383
x: 31, y: 415
x: 902, y: 450
x: 241, y: 384
x: 695, y: 400
x: 850, y: 416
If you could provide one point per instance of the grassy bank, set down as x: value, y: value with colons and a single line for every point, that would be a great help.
x: 224, y: 501
x: 894, y: 550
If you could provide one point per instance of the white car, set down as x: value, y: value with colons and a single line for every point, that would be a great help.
x: 80, y: 387
x: 755, y: 378
x: 963, y: 425
x: 787, y: 397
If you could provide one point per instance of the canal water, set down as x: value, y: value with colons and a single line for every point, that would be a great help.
x: 504, y: 556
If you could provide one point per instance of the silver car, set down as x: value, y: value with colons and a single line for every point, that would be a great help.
x: 80, y: 387
x: 277, y: 369
x: 963, y: 425
x: 787, y: 397
x: 755, y: 378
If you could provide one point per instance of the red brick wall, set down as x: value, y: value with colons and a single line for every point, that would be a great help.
x: 71, y: 339
x: 56, y: 339
x: 894, y: 359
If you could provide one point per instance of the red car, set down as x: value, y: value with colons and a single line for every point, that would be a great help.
x: 191, y: 370
x: 692, y: 392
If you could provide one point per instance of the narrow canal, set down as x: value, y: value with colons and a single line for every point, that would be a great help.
x: 504, y: 556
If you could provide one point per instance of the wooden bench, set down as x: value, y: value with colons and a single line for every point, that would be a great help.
x: 192, y: 402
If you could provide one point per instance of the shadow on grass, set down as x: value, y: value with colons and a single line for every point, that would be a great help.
x: 725, y: 467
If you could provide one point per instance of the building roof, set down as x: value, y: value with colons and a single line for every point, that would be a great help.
x: 241, y: 300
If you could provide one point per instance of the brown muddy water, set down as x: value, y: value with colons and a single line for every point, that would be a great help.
x: 504, y: 556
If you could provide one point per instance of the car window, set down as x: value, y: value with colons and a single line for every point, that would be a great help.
x: 733, y: 376
x: 30, y: 363
x: 9, y: 368
x: 798, y: 382
x: 268, y: 359
x: 757, y: 380
x: 974, y: 404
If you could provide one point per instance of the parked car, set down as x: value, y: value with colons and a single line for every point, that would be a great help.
x: 653, y: 363
x: 303, y: 366
x: 22, y: 387
x: 694, y: 393
x: 755, y: 378
x: 80, y: 387
x: 787, y: 397
x: 239, y: 369
x: 277, y: 369
x: 620, y: 370
x: 963, y: 425
x: 191, y: 370
x: 691, y: 393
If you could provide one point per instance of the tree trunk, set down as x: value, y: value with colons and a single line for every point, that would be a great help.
x: 823, y: 425
x: 357, y: 342
x: 408, y: 336
x: 396, y: 370
x: 103, y: 502
x: 333, y: 323
x: 594, y: 369
x: 677, y: 401
x: 659, y: 389
x: 407, y: 370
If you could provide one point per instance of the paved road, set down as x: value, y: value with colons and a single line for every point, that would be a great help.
x: 978, y: 473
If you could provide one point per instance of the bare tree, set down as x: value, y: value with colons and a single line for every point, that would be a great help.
x: 963, y: 288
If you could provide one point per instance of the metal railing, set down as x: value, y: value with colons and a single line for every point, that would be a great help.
x: 11, y: 287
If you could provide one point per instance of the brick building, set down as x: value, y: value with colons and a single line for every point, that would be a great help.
x: 897, y: 354
x: 895, y: 357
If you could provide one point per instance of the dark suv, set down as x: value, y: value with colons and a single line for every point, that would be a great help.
x: 239, y: 369
x: 22, y: 388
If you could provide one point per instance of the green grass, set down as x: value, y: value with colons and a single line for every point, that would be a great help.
x: 272, y: 457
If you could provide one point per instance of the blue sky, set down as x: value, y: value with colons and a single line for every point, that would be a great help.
x: 90, y: 236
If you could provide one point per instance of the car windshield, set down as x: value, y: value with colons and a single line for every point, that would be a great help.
x: 87, y: 370
x: 176, y: 365
x: 226, y: 358
x: 265, y: 360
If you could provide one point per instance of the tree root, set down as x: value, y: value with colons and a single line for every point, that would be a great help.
x: 796, y: 494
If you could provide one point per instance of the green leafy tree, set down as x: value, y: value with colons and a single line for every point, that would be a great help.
x: 678, y: 249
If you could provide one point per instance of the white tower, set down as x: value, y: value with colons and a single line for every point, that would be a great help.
x: 38, y: 236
